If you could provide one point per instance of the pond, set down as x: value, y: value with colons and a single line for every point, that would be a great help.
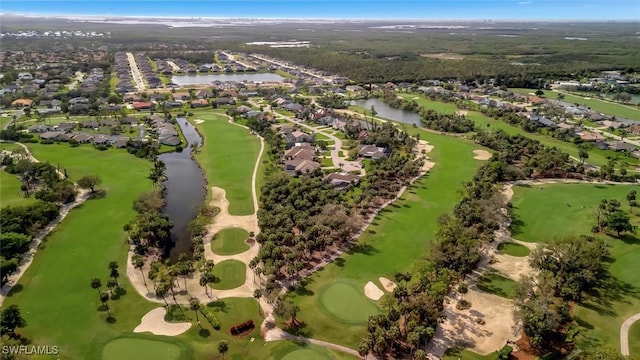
x: 185, y: 189
x: 385, y: 111
x: 200, y: 79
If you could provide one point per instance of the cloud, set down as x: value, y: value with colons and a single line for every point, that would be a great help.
x: 525, y: 2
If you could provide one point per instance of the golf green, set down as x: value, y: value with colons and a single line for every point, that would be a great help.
x: 141, y: 349
x: 232, y: 273
x: 230, y: 241
x: 305, y: 354
x: 345, y: 303
x: 514, y: 249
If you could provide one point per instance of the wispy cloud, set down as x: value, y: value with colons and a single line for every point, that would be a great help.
x: 525, y: 2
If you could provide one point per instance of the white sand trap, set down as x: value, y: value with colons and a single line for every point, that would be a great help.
x: 198, y: 121
x: 387, y: 284
x: 154, y: 323
x: 372, y: 291
x: 482, y: 155
x: 416, y: 98
x: 462, y: 112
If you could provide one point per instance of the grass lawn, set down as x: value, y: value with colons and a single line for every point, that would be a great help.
x: 231, y: 273
x: 603, y: 106
x: 398, y: 236
x: 346, y: 303
x: 496, y: 284
x: 326, y: 162
x: 10, y: 146
x: 10, y: 193
x: 513, y: 249
x: 462, y: 354
x: 230, y: 241
x: 441, y: 107
x: 135, y: 348
x: 228, y: 157
x: 542, y: 214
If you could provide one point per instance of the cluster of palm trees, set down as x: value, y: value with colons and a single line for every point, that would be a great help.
x: 112, y: 284
x: 156, y: 174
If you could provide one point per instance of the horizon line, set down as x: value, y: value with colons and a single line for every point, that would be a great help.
x: 168, y: 17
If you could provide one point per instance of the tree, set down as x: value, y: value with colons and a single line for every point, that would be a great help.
x: 539, y: 92
x: 104, y: 298
x: 194, y: 304
x: 96, y: 284
x: 286, y: 307
x: 223, y: 347
x: 583, y: 152
x: 138, y: 262
x: 619, y: 222
x: 10, y: 320
x: 631, y: 198
x: 257, y: 294
x: 89, y: 182
x: 113, y: 272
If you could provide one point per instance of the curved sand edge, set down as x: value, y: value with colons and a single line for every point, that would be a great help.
x: 154, y: 322
x: 372, y: 291
x: 387, y: 284
x: 482, y: 155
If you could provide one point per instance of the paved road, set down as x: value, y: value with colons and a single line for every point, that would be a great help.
x: 135, y: 72
x: 624, y: 333
x: 613, y: 136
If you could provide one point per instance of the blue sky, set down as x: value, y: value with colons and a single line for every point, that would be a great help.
x: 352, y: 9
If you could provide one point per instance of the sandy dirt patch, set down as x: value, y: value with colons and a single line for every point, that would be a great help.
x: 512, y: 267
x: 464, y: 327
x: 387, y: 284
x: 372, y: 291
x: 224, y: 220
x: 462, y: 112
x: 428, y: 164
x: 154, y: 323
x: 444, y: 56
x: 198, y: 121
x: 482, y: 155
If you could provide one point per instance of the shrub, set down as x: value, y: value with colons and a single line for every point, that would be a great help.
x: 46, y: 141
x: 101, y: 147
x: 505, y: 352
x: 463, y: 305
x: 211, y: 318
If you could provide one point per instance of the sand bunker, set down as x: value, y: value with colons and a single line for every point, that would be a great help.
x: 154, y: 323
x: 387, y: 284
x: 198, y: 121
x: 462, y: 112
x: 482, y: 155
x: 372, y: 291
x: 424, y: 145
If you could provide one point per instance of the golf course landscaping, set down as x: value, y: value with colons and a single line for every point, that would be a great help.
x: 135, y: 348
x: 10, y: 191
x: 397, y: 237
x: 514, y: 249
x: 227, y: 157
x: 494, y: 283
x: 230, y: 241
x: 543, y: 212
x: 232, y: 273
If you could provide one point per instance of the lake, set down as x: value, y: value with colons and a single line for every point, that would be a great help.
x: 208, y: 78
x: 185, y: 190
x: 385, y: 111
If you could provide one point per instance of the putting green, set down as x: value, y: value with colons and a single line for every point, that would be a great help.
x: 232, y: 273
x: 306, y: 354
x: 230, y: 241
x: 141, y: 349
x: 514, y: 249
x: 346, y: 303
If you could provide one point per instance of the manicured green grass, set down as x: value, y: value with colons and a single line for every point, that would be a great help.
x: 306, y: 354
x: 228, y: 157
x: 232, y: 273
x: 462, y: 354
x: 129, y: 348
x: 496, y: 284
x: 79, y: 249
x: 230, y: 241
x: 603, y: 106
x: 346, y: 303
x: 441, y: 107
x: 10, y: 146
x: 10, y: 193
x: 558, y: 210
x: 326, y: 162
x: 541, y: 214
x: 398, y: 236
x: 513, y: 249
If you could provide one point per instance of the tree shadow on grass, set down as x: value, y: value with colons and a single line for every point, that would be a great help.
x: 98, y: 194
x: 205, y: 333
x: 613, y: 291
x: 629, y: 239
x: 111, y: 320
x: 517, y: 225
x: 339, y: 262
x: 362, y: 248
x: 17, y: 288
x: 300, y: 330
x: 218, y: 305
x: 583, y: 323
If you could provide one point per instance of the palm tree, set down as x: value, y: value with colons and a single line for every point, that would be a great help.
x: 257, y: 294
x: 113, y: 272
x: 138, y: 263
x: 161, y: 291
x: 195, y: 306
x: 223, y: 347
x: 96, y: 284
x: 104, y: 298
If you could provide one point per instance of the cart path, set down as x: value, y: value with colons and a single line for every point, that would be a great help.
x: 624, y: 333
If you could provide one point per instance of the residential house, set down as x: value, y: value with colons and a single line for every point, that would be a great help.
x: 40, y: 128
x: 199, y: 103
x: 634, y: 129
x: 108, y: 122
x: 82, y: 138
x: 181, y: 96
x: 101, y: 140
x: 542, y: 121
x: 297, y: 136
x: 171, y: 141
x: 300, y: 167
x: 590, y: 136
x: 21, y: 103
x: 65, y: 127
x: 373, y: 152
x: 620, y: 146
x: 343, y: 181
x: 142, y: 105
x: 51, y: 135
x: 91, y: 124
x: 302, y: 152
